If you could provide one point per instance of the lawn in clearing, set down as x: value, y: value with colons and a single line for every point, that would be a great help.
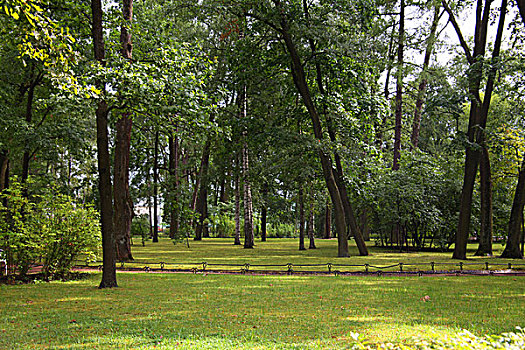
x: 283, y: 251
x: 198, y: 311
x: 208, y: 311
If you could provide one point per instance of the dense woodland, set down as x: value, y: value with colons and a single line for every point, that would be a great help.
x: 394, y: 123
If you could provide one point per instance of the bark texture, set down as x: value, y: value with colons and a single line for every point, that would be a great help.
x: 328, y: 222
x: 4, y: 166
x: 109, y: 275
x: 300, y: 205
x: 248, y: 205
x: 485, y: 235
x: 202, y: 197
x: 123, y: 204
x: 173, y: 144
x: 416, y: 125
x: 237, y: 209
x: 399, y: 87
x: 311, y: 218
x: 512, y: 248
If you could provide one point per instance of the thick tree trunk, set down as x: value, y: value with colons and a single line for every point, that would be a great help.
x: 416, y: 125
x: 512, y: 249
x: 237, y: 207
x: 300, y: 205
x: 174, y: 181
x: 311, y: 218
x: 156, y: 189
x: 109, y: 275
x: 123, y: 204
x: 299, y: 79
x: 478, y: 112
x: 399, y: 88
x: 202, y: 197
x: 485, y: 236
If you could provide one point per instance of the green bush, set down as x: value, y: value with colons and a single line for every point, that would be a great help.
x: 18, y: 239
x: 68, y: 231
x: 50, y: 228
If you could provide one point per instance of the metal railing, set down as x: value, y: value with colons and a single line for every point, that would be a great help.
x: 461, y: 267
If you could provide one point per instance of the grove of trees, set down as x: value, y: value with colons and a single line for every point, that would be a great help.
x: 367, y: 120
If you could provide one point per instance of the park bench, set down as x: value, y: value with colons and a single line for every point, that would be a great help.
x: 3, y: 260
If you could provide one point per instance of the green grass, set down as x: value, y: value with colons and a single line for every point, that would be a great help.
x: 283, y: 251
x: 265, y: 312
x: 209, y: 311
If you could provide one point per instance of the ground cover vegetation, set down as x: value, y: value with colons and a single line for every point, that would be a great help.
x: 226, y: 312
x: 388, y: 123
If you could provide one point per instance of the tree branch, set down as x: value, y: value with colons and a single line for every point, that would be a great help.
x: 458, y: 32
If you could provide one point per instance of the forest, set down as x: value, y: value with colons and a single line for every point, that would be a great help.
x: 392, y: 123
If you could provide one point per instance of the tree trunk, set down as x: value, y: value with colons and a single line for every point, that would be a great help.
x: 350, y: 218
x: 237, y: 206
x: 478, y: 112
x: 416, y: 125
x: 156, y: 189
x: 311, y: 223
x: 399, y: 88
x: 300, y: 204
x: 174, y: 181
x: 4, y: 165
x: 109, y: 275
x: 365, y: 228
x: 328, y: 222
x: 521, y: 7
x: 123, y: 204
x: 299, y: 79
x: 28, y: 118
x: 386, y: 91
x: 512, y: 249
x: 485, y: 236
x: 202, y: 197
x: 248, y: 211
x: 264, y: 211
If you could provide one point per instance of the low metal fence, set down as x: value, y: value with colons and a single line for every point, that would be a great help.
x: 470, y: 268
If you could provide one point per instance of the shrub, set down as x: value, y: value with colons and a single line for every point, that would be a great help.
x: 68, y: 230
x: 50, y: 227
x: 17, y: 237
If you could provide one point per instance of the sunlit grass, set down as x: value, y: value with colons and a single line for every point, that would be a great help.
x: 231, y: 311
x: 283, y: 251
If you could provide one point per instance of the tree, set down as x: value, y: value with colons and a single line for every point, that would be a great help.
x: 478, y: 109
x: 121, y: 197
x: 109, y: 275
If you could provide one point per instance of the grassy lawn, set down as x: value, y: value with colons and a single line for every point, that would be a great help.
x: 283, y: 251
x: 265, y: 312
x: 208, y: 311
